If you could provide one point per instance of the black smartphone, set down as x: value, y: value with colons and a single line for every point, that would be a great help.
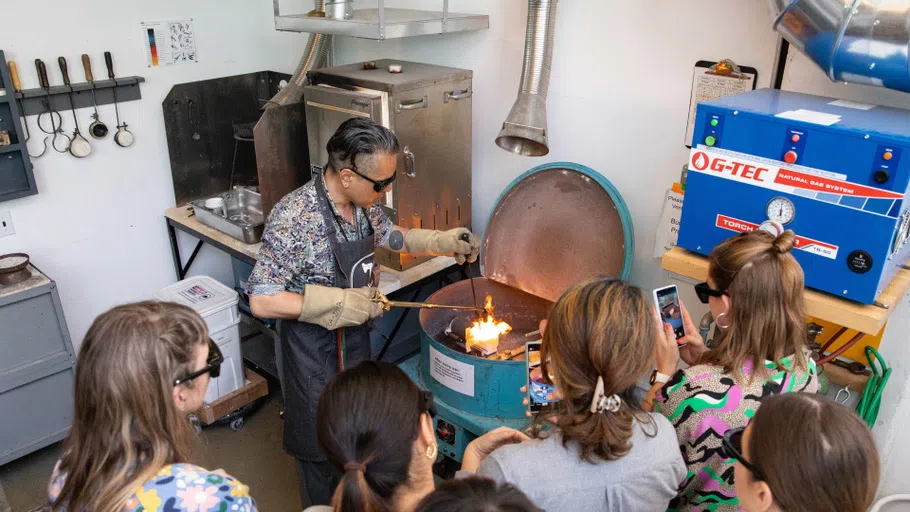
x: 666, y: 300
x: 538, y: 391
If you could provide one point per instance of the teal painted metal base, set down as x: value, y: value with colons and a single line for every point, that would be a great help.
x: 456, y: 428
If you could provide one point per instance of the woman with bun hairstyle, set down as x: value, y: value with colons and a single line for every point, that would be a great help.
x: 755, y: 292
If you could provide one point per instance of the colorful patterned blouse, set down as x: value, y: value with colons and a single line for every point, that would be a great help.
x: 703, y: 403
x: 181, y: 487
x: 295, y: 245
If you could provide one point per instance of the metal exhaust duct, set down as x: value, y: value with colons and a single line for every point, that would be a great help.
x: 858, y: 41
x: 524, y: 131
x: 315, y: 56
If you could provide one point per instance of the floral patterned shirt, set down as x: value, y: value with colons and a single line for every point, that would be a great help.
x: 703, y: 403
x: 180, y: 487
x: 295, y: 245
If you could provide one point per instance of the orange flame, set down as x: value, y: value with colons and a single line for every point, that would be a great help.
x: 484, y: 334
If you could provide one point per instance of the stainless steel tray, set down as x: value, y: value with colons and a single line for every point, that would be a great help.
x: 241, y: 217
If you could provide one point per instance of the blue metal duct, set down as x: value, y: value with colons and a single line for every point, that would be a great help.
x: 858, y: 41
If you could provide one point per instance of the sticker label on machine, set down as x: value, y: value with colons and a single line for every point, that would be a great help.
x: 766, y: 173
x: 452, y: 373
x: 817, y: 247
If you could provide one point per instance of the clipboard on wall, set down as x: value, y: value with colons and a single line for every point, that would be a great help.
x: 712, y: 80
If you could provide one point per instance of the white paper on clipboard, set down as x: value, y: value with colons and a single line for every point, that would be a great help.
x: 706, y: 87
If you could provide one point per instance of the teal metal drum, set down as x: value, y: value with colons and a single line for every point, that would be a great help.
x: 554, y: 226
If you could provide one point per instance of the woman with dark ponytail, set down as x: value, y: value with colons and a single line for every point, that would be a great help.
x: 375, y: 428
x: 605, y: 453
x: 755, y: 292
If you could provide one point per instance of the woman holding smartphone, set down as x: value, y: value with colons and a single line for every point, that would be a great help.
x: 755, y: 292
x: 604, y: 452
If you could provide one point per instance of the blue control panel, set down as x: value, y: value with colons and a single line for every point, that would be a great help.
x: 830, y: 170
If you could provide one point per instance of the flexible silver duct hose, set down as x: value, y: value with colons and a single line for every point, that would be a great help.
x: 315, y: 56
x: 525, y: 129
x: 859, y: 41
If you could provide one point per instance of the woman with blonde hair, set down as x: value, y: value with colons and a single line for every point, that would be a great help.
x: 755, y: 293
x: 604, y: 453
x: 141, y: 369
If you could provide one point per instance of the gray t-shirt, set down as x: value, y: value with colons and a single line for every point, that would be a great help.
x: 557, y: 479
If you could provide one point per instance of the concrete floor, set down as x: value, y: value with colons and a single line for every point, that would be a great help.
x: 253, y: 455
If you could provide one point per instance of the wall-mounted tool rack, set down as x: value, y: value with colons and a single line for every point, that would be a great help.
x: 33, y: 99
x: 16, y: 176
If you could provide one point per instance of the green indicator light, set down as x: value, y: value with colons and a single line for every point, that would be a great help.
x: 710, y: 140
x: 714, y: 122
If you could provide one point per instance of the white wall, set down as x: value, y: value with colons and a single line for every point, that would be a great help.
x: 619, y: 93
x: 96, y: 225
x: 891, y: 428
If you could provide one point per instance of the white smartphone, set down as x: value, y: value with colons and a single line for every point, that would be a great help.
x: 666, y: 300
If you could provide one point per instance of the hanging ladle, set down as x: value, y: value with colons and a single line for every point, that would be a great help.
x: 56, y: 127
x: 79, y: 146
x: 17, y: 86
x: 98, y: 129
x: 123, y: 137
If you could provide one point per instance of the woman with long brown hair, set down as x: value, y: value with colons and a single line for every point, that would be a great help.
x: 605, y: 453
x: 141, y: 369
x: 755, y: 293
x: 375, y: 427
x: 804, y: 452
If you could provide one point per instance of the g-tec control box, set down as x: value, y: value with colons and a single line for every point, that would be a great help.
x: 833, y: 171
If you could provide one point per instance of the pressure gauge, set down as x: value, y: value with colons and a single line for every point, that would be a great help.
x: 781, y: 209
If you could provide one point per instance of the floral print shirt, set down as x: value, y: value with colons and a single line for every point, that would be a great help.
x: 295, y: 243
x: 703, y: 403
x: 180, y: 487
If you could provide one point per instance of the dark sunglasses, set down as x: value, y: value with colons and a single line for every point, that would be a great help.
x: 732, y: 448
x: 705, y: 292
x: 212, y: 365
x: 378, y: 185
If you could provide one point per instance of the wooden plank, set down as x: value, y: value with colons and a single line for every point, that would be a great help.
x: 256, y: 387
x: 861, y: 317
x: 181, y: 215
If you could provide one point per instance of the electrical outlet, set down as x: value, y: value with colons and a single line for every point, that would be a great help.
x: 6, y: 225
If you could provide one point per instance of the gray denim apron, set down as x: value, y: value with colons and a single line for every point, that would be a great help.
x: 311, y: 354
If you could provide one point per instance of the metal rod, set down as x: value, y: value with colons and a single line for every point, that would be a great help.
x: 424, y: 305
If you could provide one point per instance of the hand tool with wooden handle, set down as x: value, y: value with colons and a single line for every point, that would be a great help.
x: 98, y: 129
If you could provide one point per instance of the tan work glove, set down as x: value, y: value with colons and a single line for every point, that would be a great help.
x: 335, y: 307
x: 443, y: 243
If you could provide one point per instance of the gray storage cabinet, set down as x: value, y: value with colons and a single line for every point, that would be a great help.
x: 36, y: 367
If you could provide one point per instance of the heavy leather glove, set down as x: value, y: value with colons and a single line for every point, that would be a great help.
x: 333, y: 308
x: 443, y: 243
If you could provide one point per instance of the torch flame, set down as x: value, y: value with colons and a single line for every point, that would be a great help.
x: 484, y: 334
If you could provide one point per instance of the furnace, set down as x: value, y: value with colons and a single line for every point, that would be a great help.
x: 553, y: 226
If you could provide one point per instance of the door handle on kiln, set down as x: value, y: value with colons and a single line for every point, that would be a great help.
x: 411, y: 105
x: 410, y: 162
x: 456, y: 95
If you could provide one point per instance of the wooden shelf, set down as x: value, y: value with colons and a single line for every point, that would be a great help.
x: 853, y: 315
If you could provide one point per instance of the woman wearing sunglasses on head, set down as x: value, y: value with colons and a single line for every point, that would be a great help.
x: 142, y: 368
x: 803, y: 452
x: 375, y: 428
x: 755, y: 293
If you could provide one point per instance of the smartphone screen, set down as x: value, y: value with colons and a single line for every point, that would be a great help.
x: 538, y: 390
x: 667, y: 301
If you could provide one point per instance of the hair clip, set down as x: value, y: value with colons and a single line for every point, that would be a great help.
x: 601, y: 402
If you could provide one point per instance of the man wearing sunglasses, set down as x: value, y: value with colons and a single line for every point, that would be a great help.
x: 315, y: 272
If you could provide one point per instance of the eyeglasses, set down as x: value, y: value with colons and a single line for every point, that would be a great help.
x: 732, y: 448
x: 378, y: 185
x: 704, y: 292
x: 212, y: 365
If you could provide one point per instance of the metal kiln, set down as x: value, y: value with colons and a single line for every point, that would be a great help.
x: 553, y: 226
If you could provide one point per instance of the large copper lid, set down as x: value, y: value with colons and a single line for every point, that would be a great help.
x: 554, y: 226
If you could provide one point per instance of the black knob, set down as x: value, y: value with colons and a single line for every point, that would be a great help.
x: 881, y: 176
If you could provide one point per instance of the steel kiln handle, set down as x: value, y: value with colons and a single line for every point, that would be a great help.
x: 410, y: 162
x: 411, y: 105
x: 453, y: 95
